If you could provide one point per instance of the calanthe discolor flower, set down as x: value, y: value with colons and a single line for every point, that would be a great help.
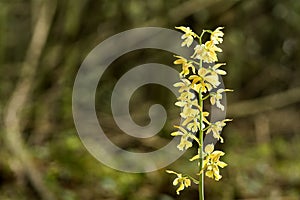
x: 204, y: 80
x: 188, y: 36
x: 217, y: 35
x: 206, y: 52
x: 212, y: 162
x: 185, y: 143
x: 182, y: 181
x: 185, y: 65
x: 215, y: 98
x: 197, y: 84
x: 216, y: 129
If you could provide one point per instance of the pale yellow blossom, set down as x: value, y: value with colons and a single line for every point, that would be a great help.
x: 190, y: 108
x: 193, y: 125
x: 206, y: 52
x: 204, y: 116
x: 212, y: 162
x: 187, y: 103
x: 185, y: 90
x: 217, y: 35
x: 187, y: 95
x: 185, y: 65
x: 184, y: 141
x: 215, y: 98
x: 197, y: 84
x: 189, y: 111
x: 183, y: 181
x: 188, y: 36
x: 215, y: 69
x: 205, y: 80
x: 216, y: 128
x: 184, y: 85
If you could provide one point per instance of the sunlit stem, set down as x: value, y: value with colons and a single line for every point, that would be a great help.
x: 200, y: 42
x: 200, y: 150
x: 200, y: 38
x: 206, y: 128
x: 204, y: 98
x: 192, y: 178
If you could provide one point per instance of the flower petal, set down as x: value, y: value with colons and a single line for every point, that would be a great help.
x: 209, y: 148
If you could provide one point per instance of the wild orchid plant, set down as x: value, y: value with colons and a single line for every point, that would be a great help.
x: 195, y: 86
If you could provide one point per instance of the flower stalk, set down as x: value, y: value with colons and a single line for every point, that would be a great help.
x: 197, y: 84
x: 200, y: 149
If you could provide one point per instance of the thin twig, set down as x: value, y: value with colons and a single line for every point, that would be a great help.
x: 20, y: 97
x: 264, y: 104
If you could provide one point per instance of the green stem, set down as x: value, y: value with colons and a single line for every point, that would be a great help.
x: 200, y: 150
x: 206, y: 128
x: 206, y: 97
x: 192, y: 178
x: 200, y: 38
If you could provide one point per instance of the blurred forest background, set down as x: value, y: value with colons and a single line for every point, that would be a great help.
x: 43, y: 43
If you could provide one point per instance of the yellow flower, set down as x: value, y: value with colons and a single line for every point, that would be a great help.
x: 185, y: 96
x: 184, y: 141
x: 206, y: 52
x: 193, y: 126
x: 205, y: 79
x: 212, y: 162
x: 184, y: 85
x: 215, y: 69
x: 204, y: 115
x: 187, y: 103
x: 216, y: 128
x: 183, y: 181
x: 209, y: 148
x: 215, y: 98
x: 188, y: 36
x: 216, y: 36
x: 190, y: 108
x: 185, y: 65
x: 189, y: 111
x: 185, y: 90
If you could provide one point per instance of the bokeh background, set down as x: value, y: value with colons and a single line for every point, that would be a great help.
x: 42, y: 44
